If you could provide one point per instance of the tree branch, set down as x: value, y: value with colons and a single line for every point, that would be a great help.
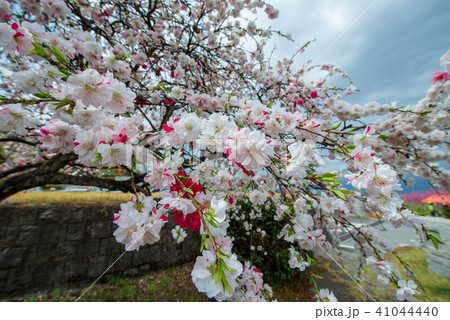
x: 48, y: 173
x: 15, y: 139
x: 6, y: 173
x: 35, y: 178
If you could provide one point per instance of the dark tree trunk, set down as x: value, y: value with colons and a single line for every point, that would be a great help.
x: 48, y: 173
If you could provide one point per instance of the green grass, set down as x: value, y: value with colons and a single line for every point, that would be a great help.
x: 434, y: 288
x: 437, y: 288
x: 153, y: 287
x: 56, y: 293
x: 422, y: 209
x: 173, y: 284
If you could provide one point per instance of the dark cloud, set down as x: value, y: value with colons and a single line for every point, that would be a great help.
x: 390, y: 54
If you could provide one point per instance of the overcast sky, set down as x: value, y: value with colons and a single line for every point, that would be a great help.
x: 391, y: 53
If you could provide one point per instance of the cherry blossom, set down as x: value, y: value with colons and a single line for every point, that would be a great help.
x: 406, y: 290
x: 139, y: 223
x: 178, y: 234
x: 326, y: 295
x: 210, y: 277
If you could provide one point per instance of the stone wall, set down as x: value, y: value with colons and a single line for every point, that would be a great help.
x: 63, y: 246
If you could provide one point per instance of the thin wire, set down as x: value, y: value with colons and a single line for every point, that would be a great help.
x: 96, y: 280
x: 346, y: 30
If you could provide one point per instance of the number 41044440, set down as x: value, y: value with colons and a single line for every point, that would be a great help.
x: 404, y: 311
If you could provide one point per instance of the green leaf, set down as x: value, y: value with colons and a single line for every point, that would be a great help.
x: 223, y: 255
x: 339, y: 194
x: 213, y: 222
x: 434, y: 239
x: 291, y: 208
x: 350, y: 148
x: 58, y: 54
x: 61, y: 104
x: 226, y: 286
x: 133, y: 164
x: 39, y: 50
x: 98, y: 157
x: 383, y: 137
x: 291, y: 232
x: 42, y: 95
x: 219, y: 275
x: 328, y: 175
x: 309, y: 259
x: 204, y: 243
x: 329, y: 179
x: 275, y: 160
x: 336, y: 126
x: 64, y: 72
x: 435, y: 243
x: 226, y: 267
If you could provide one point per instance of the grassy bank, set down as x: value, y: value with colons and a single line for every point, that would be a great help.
x: 422, y: 209
x: 432, y: 287
x: 435, y: 287
x: 49, y: 197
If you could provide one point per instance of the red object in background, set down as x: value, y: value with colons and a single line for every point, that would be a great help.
x: 417, y: 196
x: 436, y: 198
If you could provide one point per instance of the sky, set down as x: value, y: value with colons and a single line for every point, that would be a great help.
x: 390, y: 53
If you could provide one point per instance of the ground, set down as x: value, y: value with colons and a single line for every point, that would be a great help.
x: 175, y: 284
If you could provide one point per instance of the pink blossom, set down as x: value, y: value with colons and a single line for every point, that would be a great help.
x: 440, y: 76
